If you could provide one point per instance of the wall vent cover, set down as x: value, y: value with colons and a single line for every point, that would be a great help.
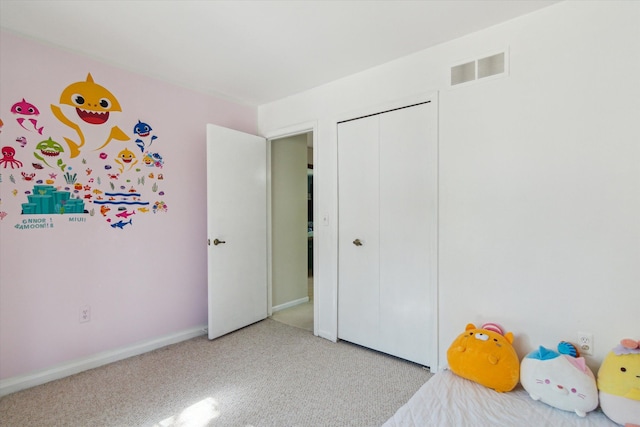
x: 478, y: 69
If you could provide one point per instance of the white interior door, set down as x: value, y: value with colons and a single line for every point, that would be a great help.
x: 236, y: 229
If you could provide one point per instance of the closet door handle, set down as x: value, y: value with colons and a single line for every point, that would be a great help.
x: 357, y: 242
x: 217, y: 242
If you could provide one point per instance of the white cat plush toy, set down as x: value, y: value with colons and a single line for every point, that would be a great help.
x: 562, y: 381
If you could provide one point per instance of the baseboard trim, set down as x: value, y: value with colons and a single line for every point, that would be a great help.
x: 289, y: 304
x: 21, y: 382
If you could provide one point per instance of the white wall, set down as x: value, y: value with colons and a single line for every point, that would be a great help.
x: 539, y: 175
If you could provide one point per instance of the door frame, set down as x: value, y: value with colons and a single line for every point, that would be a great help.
x: 301, y: 128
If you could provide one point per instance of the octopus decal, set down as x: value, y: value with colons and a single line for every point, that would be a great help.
x: 92, y: 105
x: 8, y: 158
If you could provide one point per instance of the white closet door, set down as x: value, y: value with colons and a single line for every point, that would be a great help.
x: 358, y: 204
x: 407, y: 230
x: 387, y: 165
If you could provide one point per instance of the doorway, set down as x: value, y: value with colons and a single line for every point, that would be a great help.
x: 292, y: 230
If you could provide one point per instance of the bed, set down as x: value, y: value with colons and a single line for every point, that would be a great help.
x: 449, y: 400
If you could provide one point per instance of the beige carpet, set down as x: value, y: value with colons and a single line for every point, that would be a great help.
x: 268, y: 374
x: 300, y: 316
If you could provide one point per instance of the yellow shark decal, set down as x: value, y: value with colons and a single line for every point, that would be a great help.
x: 126, y: 158
x: 93, y: 104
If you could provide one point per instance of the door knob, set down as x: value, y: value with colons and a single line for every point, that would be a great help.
x: 357, y: 242
x: 217, y: 242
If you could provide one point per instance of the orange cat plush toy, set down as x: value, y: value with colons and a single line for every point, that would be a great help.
x: 485, y: 355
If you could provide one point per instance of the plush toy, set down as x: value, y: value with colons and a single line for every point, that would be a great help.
x: 563, y: 381
x: 619, y: 383
x: 485, y: 355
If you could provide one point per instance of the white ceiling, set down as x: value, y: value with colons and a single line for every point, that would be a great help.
x: 253, y: 52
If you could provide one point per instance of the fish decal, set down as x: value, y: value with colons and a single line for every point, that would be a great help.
x: 24, y: 108
x: 93, y: 106
x: 126, y: 159
x: 143, y: 130
x: 125, y: 214
x: 152, y: 159
x: 120, y: 224
x: 49, y: 149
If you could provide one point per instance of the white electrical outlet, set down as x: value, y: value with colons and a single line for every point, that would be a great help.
x: 585, y: 343
x: 85, y: 314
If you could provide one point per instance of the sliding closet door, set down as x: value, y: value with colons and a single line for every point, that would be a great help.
x: 358, y: 240
x: 387, y: 232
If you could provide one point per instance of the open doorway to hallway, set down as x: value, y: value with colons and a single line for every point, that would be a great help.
x: 292, y: 229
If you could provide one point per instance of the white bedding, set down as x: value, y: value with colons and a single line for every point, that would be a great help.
x: 449, y: 400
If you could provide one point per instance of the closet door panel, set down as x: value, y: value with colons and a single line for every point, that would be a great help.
x: 358, y: 202
x: 407, y: 194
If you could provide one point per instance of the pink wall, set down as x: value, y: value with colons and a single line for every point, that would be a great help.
x: 143, y: 281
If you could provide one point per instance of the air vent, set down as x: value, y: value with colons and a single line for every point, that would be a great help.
x: 463, y: 73
x: 478, y: 69
x: 491, y: 65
